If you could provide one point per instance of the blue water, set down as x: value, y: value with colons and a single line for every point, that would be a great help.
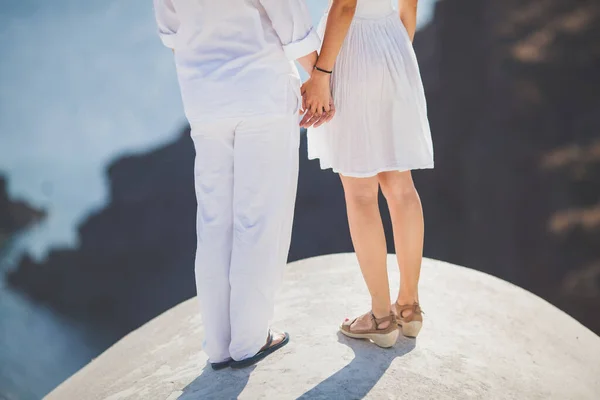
x: 81, y: 83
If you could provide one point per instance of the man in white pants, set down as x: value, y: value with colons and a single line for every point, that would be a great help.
x: 241, y: 94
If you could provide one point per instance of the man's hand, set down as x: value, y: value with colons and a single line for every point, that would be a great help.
x: 312, y: 120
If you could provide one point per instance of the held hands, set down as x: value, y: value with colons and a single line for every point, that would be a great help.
x: 317, y: 102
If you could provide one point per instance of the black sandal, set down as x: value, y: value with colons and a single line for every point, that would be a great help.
x: 221, y: 365
x: 265, y: 351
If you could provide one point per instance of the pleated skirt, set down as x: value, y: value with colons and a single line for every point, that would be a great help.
x: 381, y: 120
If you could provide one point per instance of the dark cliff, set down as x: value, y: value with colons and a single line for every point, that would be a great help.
x: 514, y: 107
x: 15, y: 215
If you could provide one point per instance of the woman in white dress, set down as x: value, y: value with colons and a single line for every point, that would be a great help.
x: 379, y: 134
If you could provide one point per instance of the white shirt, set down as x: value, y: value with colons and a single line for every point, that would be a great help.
x: 235, y: 57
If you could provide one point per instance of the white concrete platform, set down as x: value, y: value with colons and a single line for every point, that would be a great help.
x: 483, y: 338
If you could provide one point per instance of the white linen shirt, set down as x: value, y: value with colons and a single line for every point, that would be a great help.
x: 234, y: 58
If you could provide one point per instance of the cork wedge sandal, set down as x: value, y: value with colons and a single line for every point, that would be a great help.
x: 382, y: 337
x: 411, y: 324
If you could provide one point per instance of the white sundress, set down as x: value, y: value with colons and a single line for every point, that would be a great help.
x: 381, y: 119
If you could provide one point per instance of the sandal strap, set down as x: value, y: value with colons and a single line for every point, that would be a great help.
x: 269, y: 340
x: 378, y: 321
x: 415, y: 307
x: 347, y: 326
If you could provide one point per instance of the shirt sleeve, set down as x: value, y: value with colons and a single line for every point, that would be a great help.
x: 292, y: 22
x: 167, y: 21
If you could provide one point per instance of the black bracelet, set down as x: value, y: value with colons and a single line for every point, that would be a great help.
x: 323, y: 70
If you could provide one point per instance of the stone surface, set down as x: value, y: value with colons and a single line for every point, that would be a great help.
x: 483, y: 338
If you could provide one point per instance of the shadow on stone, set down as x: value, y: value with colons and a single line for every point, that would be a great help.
x: 552, y: 356
x: 211, y: 384
x: 356, y: 379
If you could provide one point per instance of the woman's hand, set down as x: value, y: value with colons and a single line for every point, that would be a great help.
x: 316, y: 94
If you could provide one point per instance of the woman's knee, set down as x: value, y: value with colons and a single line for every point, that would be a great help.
x: 399, y: 189
x: 361, y: 191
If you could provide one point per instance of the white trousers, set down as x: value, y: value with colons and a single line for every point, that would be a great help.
x: 246, y: 175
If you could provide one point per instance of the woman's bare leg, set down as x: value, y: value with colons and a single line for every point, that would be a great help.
x: 408, y: 226
x: 368, y: 238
